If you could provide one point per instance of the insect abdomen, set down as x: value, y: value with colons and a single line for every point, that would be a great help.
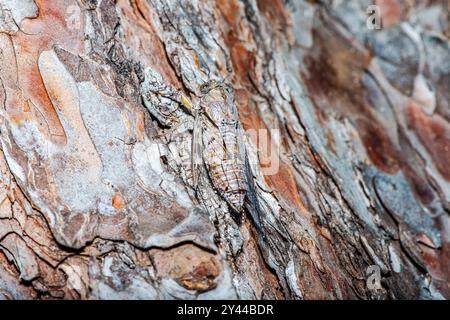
x: 229, y: 139
x: 228, y: 178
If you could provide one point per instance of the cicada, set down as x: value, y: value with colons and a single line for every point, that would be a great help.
x: 217, y: 142
x: 217, y: 139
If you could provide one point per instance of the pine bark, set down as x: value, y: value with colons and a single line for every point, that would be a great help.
x: 346, y: 129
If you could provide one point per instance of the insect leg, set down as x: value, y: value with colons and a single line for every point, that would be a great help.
x: 186, y: 102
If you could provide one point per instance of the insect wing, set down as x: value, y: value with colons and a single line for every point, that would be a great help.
x: 197, y: 143
x: 242, y: 154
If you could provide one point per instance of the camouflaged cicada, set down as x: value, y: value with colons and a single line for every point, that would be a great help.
x: 217, y: 142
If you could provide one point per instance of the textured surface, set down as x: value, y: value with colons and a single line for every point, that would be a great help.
x: 347, y: 131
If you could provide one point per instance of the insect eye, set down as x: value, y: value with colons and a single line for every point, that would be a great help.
x: 204, y: 88
x: 228, y: 89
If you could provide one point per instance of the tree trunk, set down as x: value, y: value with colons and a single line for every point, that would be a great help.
x: 346, y: 130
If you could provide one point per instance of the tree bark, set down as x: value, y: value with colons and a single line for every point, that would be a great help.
x: 346, y: 130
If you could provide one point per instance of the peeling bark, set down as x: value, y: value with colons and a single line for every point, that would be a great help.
x: 347, y: 132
